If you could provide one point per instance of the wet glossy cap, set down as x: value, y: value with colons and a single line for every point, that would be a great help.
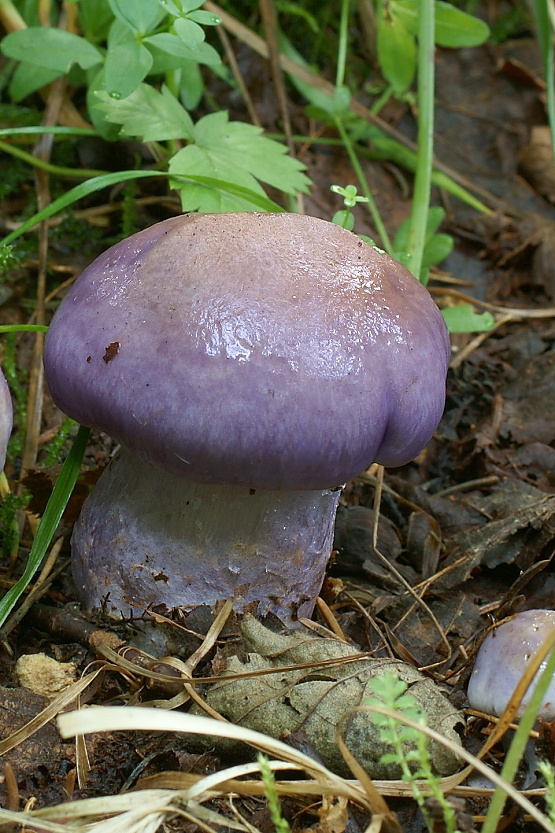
x: 502, y: 660
x: 6, y: 416
x: 269, y: 350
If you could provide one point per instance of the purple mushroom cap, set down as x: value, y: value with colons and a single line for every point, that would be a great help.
x: 248, y: 364
x: 6, y: 417
x: 273, y: 351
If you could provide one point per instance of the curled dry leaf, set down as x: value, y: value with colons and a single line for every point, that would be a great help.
x: 314, y: 698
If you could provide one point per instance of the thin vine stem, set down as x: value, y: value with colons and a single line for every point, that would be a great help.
x: 364, y: 187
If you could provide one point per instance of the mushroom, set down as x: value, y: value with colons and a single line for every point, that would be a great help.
x: 6, y: 417
x: 502, y: 659
x: 249, y: 364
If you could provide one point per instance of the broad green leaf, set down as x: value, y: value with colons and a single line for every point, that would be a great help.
x: 138, y: 15
x: 126, y: 66
x: 52, y: 49
x: 190, y: 33
x: 148, y: 114
x: 396, y: 53
x: 107, y: 129
x: 237, y: 153
x: 247, y: 199
x: 204, y: 18
x: 170, y: 7
x: 462, y: 319
x: 190, y: 5
x: 243, y: 146
x: 94, y: 20
x: 194, y: 160
x: 173, y: 45
x: 119, y: 33
x: 453, y: 27
x: 436, y: 249
x: 191, y: 84
x: 436, y: 216
x: 28, y: 78
x: 340, y: 101
x: 312, y: 94
x: 433, y: 222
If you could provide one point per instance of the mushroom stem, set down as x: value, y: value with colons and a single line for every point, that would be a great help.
x: 146, y: 537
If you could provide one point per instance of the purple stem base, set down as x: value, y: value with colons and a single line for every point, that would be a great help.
x: 146, y: 537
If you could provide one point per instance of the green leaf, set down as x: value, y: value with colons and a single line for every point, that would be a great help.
x: 190, y: 33
x: 252, y: 198
x: 234, y: 152
x: 191, y: 84
x: 435, y: 218
x: 148, y: 114
x: 127, y: 64
x: 190, y: 5
x: 388, y: 758
x: 396, y: 53
x: 194, y: 160
x: 108, y: 130
x: 170, y: 7
x: 28, y: 78
x: 94, y: 20
x: 453, y: 27
x: 340, y: 100
x: 53, y: 49
x: 138, y: 15
x: 204, y: 18
x: 462, y: 319
x: 203, y: 53
x: 344, y: 218
x: 433, y: 221
x: 437, y: 249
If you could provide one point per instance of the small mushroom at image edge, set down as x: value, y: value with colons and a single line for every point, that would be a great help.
x: 249, y: 365
x: 502, y: 659
x: 6, y: 417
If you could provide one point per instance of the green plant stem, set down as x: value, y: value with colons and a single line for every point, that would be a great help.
x: 56, y: 170
x: 34, y: 130
x: 516, y: 749
x: 364, y: 187
x: 10, y: 17
x: 544, y: 34
x: 342, y: 45
x: 23, y: 328
x: 424, y: 154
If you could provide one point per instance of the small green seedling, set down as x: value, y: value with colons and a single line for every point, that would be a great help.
x: 409, y: 747
x: 547, y: 771
x: 281, y: 825
x: 344, y: 217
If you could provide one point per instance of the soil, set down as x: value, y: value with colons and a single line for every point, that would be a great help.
x: 471, y: 521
